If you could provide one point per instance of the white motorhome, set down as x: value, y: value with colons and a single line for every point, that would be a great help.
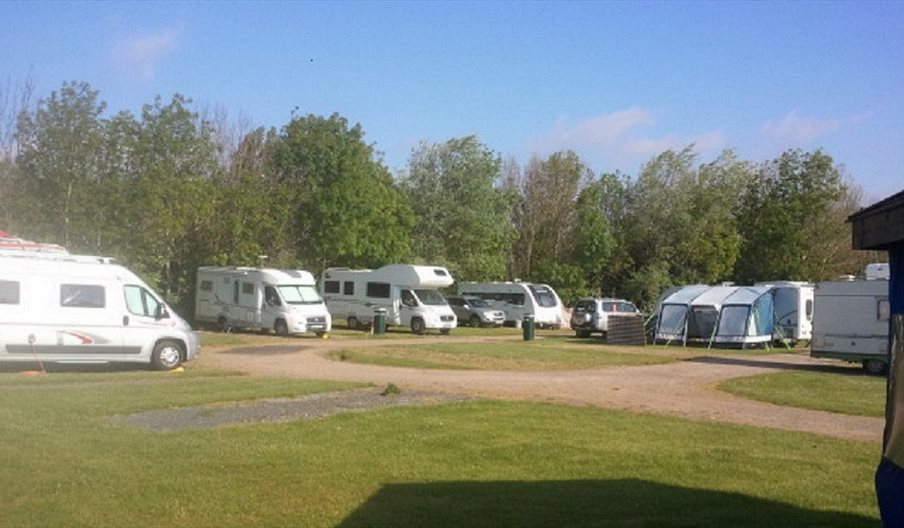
x: 518, y: 298
x: 793, y: 307
x: 408, y: 293
x: 63, y: 308
x: 851, y: 321
x: 285, y: 301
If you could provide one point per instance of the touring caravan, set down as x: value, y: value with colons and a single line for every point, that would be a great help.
x: 517, y: 298
x: 62, y: 308
x: 408, y: 293
x: 851, y: 322
x: 793, y: 304
x: 285, y: 301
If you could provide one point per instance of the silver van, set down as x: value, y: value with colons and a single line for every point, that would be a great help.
x: 592, y: 315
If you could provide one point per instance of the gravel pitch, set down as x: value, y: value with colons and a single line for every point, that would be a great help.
x: 280, y: 409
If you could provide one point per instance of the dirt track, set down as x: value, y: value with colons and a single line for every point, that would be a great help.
x: 685, y: 389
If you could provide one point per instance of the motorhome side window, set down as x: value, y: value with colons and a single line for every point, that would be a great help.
x: 378, y: 289
x: 271, y: 297
x: 139, y: 301
x: 348, y: 288
x: 206, y: 285
x: 9, y: 292
x: 82, y: 296
x: 331, y: 287
x: 247, y: 288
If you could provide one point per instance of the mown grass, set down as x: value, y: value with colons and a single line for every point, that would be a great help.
x: 846, y: 392
x: 499, y: 355
x: 475, y: 464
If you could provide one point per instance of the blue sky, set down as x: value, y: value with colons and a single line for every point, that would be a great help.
x: 617, y: 82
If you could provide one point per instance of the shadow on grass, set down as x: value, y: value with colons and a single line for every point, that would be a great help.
x: 580, y: 503
x: 778, y: 365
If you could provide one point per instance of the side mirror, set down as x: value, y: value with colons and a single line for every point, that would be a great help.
x: 161, y: 312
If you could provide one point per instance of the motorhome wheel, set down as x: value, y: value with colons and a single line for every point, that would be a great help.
x: 475, y: 321
x: 167, y: 355
x: 353, y: 323
x: 281, y: 328
x: 417, y: 326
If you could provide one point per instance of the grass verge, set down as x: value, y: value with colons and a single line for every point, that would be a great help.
x: 846, y: 393
x: 475, y: 464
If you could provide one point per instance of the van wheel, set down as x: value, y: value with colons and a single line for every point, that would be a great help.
x: 223, y: 324
x: 167, y: 355
x: 281, y: 328
x: 417, y: 326
x: 875, y: 367
x: 445, y: 331
x: 353, y: 323
x: 475, y: 321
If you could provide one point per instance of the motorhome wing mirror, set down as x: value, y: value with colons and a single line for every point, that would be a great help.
x: 161, y: 312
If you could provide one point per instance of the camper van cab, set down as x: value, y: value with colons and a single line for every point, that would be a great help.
x: 408, y: 294
x: 63, y: 308
x: 285, y: 301
x: 517, y: 299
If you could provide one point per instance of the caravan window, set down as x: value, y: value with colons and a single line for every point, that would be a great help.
x: 9, y: 292
x: 82, y: 296
x: 139, y: 301
x: 378, y: 289
x: 348, y: 288
x: 331, y: 287
x: 206, y: 285
x: 543, y: 295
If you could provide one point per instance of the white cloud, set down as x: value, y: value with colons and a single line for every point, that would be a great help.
x: 141, y: 54
x: 793, y: 127
x: 619, y: 135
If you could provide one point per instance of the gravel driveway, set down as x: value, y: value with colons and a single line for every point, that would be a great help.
x: 685, y: 389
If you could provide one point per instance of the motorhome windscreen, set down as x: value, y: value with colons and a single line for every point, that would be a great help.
x: 431, y: 297
x: 733, y: 321
x: 543, y: 295
x: 672, y: 318
x: 300, y: 294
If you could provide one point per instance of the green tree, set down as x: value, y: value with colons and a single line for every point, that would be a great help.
x: 348, y: 210
x: 461, y: 208
x: 792, y: 219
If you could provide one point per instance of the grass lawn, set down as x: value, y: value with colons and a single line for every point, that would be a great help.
x: 500, y: 355
x: 474, y: 464
x: 847, y: 393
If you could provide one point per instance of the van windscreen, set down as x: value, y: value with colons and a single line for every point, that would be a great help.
x: 300, y: 294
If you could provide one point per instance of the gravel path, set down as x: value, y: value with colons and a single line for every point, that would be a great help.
x: 685, y: 388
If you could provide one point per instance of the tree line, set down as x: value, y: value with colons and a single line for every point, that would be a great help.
x: 174, y: 188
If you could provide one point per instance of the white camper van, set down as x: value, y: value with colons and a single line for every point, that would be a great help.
x: 408, y: 293
x: 285, y: 301
x: 65, y: 308
x: 519, y: 298
x: 851, y: 321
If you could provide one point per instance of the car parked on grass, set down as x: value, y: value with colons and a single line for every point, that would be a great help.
x: 476, y: 311
x: 592, y: 315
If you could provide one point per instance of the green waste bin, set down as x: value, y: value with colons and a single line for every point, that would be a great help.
x: 527, y: 327
x: 380, y: 321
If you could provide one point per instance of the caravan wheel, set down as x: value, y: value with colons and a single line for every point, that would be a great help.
x: 875, y: 367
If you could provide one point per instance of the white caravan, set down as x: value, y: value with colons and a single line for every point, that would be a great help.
x: 793, y: 306
x: 285, y: 301
x: 65, y: 308
x: 408, y: 293
x: 519, y: 298
x: 851, y: 321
